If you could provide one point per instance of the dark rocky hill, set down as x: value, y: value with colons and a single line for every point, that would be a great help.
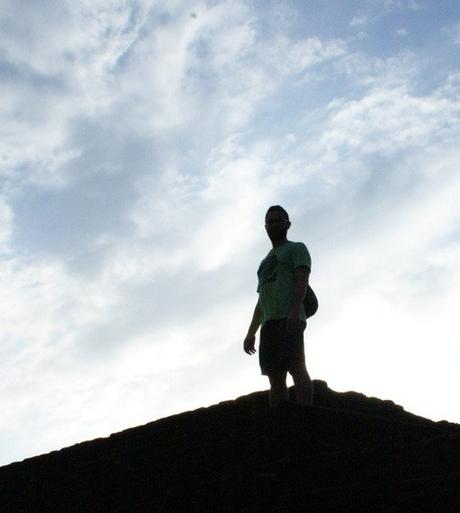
x: 347, y: 453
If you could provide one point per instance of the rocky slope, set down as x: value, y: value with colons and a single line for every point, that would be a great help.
x: 346, y: 453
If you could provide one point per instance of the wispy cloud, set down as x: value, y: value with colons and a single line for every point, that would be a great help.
x: 455, y: 34
x: 357, y: 20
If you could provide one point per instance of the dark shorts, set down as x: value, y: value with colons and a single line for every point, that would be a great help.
x: 278, y: 350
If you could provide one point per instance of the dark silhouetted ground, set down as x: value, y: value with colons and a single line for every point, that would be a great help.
x: 348, y: 453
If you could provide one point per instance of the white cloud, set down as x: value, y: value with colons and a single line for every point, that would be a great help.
x: 412, y: 5
x: 56, y: 78
x: 6, y: 226
x: 456, y: 34
x: 452, y: 32
x: 360, y: 19
x: 415, y: 5
x: 287, y: 58
x: 451, y: 87
x: 398, y: 70
x: 387, y: 121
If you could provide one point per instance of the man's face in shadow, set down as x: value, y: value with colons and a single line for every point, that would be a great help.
x: 276, y: 225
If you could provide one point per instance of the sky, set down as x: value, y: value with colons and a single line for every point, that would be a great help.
x: 141, y: 143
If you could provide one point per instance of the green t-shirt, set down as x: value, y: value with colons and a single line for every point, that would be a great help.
x: 277, y: 280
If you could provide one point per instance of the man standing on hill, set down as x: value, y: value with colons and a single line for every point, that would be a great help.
x: 283, y: 279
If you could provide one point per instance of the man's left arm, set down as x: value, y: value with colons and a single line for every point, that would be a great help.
x: 301, y: 275
x: 301, y: 261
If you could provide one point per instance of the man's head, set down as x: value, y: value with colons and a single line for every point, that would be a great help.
x: 277, y: 223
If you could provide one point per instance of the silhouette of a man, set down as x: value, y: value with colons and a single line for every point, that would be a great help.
x: 282, y: 283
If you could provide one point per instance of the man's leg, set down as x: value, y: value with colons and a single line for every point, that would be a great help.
x: 302, y: 383
x: 278, y: 388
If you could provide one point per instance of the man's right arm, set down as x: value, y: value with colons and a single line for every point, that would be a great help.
x: 249, y: 341
x: 256, y: 320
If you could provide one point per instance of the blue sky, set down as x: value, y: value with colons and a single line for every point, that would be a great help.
x: 141, y: 144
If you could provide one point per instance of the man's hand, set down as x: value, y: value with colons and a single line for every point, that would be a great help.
x: 293, y: 323
x: 249, y: 343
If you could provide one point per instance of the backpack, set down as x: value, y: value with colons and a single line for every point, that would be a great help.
x: 310, y: 302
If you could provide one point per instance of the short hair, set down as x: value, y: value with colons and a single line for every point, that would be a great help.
x: 279, y: 209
